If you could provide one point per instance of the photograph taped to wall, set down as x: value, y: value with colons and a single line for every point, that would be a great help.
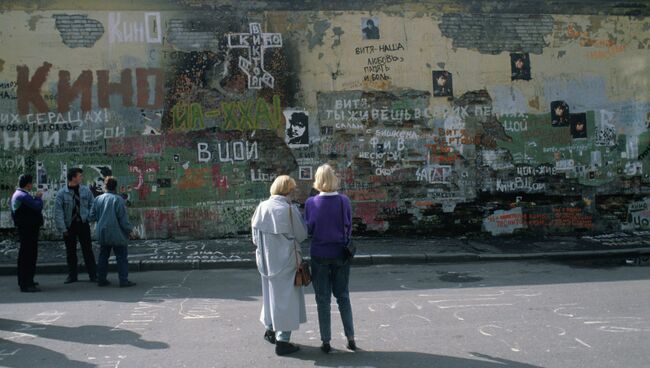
x: 101, y: 171
x: 41, y: 176
x: 442, y: 84
x: 559, y: 113
x: 579, y: 125
x: 297, y: 128
x: 305, y: 173
x: 370, y: 28
x: 520, y: 66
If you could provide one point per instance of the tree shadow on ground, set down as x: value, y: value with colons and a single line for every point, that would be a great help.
x: 93, y: 335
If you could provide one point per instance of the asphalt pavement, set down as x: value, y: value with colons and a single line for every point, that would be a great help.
x: 488, y: 314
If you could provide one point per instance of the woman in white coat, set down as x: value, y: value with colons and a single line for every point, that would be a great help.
x: 278, y: 230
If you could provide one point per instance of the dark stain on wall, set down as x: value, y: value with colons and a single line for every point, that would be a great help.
x: 188, y: 81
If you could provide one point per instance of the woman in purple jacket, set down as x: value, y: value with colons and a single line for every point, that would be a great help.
x: 329, y: 222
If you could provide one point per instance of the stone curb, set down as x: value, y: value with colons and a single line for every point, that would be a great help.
x: 359, y: 260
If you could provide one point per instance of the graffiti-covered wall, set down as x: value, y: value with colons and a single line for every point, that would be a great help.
x: 439, y: 119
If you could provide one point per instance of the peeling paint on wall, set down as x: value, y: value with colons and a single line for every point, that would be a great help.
x: 338, y: 32
x: 497, y: 33
x: 77, y: 30
x: 316, y: 33
x: 33, y: 20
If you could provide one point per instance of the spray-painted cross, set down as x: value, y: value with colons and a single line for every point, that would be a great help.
x: 256, y: 42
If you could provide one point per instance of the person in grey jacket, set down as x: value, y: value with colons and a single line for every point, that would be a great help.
x: 113, y: 232
x: 71, y: 210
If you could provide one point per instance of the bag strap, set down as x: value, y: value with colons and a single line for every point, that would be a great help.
x: 345, y: 232
x: 295, y: 243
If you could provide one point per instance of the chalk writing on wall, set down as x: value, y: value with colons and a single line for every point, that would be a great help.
x: 195, y: 116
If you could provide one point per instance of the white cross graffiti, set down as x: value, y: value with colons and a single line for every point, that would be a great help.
x: 256, y: 42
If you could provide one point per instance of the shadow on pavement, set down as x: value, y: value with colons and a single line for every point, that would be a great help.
x: 18, y: 355
x: 386, y: 359
x: 93, y: 335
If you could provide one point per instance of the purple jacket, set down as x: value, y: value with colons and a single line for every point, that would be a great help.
x: 329, y: 221
x: 26, y: 210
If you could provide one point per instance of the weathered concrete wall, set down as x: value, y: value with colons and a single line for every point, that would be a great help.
x: 196, y: 108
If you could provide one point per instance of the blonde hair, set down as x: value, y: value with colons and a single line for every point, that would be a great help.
x: 326, y: 179
x: 283, y: 185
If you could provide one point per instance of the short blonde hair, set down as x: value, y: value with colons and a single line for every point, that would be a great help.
x: 283, y: 185
x: 326, y: 179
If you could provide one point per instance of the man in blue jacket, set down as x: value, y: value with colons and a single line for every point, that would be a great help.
x: 26, y: 211
x: 71, y: 211
x: 113, y: 232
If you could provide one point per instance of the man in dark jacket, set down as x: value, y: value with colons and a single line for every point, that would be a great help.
x: 71, y: 210
x: 26, y: 211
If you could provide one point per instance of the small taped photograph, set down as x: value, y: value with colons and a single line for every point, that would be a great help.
x: 559, y: 114
x: 520, y: 67
x: 442, y: 84
x: 370, y: 28
x: 579, y: 125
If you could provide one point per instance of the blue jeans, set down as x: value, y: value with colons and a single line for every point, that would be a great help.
x: 121, y: 254
x: 332, y: 276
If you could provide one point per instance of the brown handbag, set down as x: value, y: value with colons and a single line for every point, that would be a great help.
x: 303, y: 273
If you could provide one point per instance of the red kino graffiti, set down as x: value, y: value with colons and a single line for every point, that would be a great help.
x: 28, y: 90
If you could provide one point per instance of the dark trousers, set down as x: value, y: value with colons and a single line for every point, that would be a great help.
x: 27, y: 255
x: 121, y: 254
x: 332, y: 276
x: 80, y: 231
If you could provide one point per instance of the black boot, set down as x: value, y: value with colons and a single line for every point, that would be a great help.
x: 269, y: 336
x: 326, y: 347
x: 30, y: 289
x: 285, y: 348
x: 352, y: 345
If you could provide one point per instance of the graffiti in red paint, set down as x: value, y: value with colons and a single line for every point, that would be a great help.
x: 194, y: 178
x: 28, y: 91
x: 218, y: 181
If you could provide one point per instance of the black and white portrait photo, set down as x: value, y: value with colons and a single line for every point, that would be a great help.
x: 559, y: 113
x: 305, y: 173
x: 520, y: 66
x: 297, y: 128
x: 578, y: 125
x: 370, y: 28
x: 442, y: 84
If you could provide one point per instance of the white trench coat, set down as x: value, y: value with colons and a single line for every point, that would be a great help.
x: 273, y: 234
